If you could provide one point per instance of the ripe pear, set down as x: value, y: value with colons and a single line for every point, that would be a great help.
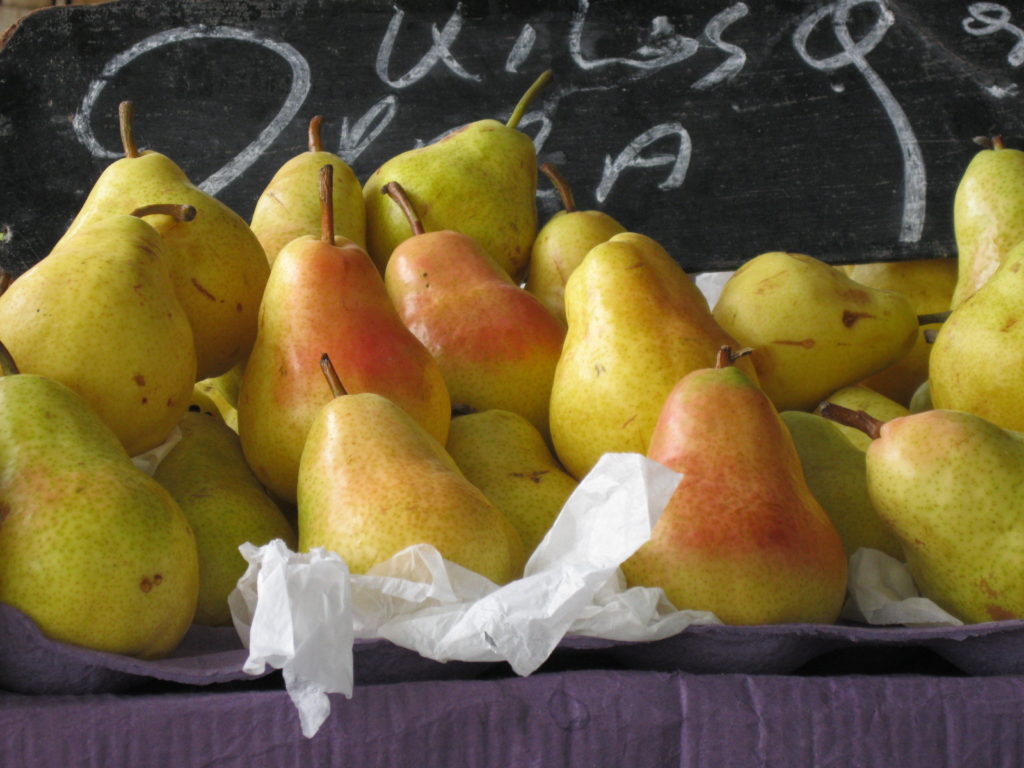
x: 225, y: 505
x: 861, y: 398
x: 94, y: 550
x: 922, y: 398
x: 929, y: 284
x: 562, y: 243
x: 947, y: 483
x: 496, y: 344
x: 980, y: 348
x: 505, y: 456
x: 217, y: 265
x: 289, y: 206
x: 637, y: 324
x: 99, y: 313
x: 209, y: 399
x: 988, y: 215
x: 480, y: 179
x: 836, y: 472
x: 742, y: 536
x: 372, y: 482
x: 812, y: 328
x: 326, y: 295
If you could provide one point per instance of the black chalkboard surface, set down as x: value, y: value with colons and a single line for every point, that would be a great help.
x: 722, y: 129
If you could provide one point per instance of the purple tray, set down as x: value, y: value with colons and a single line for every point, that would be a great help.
x: 32, y: 663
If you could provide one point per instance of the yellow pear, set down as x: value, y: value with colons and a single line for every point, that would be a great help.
x: 636, y: 324
x: 812, y: 328
x: 861, y: 398
x: 289, y: 206
x: 505, y: 456
x: 225, y: 505
x: 372, y: 482
x: 929, y: 284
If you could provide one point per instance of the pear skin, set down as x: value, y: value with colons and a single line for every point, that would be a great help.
x: 988, y: 215
x: 813, y: 329
x: 862, y: 398
x: 506, y: 457
x: 637, y: 323
x: 289, y: 206
x: 947, y: 483
x: 496, y: 344
x: 225, y: 505
x: 92, y: 548
x: 929, y: 284
x: 742, y: 536
x: 100, y: 314
x: 372, y: 482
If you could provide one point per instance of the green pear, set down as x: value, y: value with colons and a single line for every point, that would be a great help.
x: 929, y: 284
x: 812, y: 328
x: 496, y: 345
x: 836, y: 472
x: 225, y: 505
x: 99, y: 313
x: 980, y: 348
x: 480, y: 179
x: 289, y: 206
x: 217, y: 265
x: 742, y: 535
x: 862, y: 398
x: 562, y: 243
x: 506, y: 457
x: 637, y: 324
x: 94, y: 550
x: 922, y: 398
x: 988, y: 215
x: 326, y: 295
x: 947, y: 483
x: 373, y: 482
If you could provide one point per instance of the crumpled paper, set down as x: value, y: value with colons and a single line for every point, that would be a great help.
x: 304, y: 624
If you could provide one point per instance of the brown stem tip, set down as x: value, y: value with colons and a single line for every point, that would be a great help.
x: 125, y: 118
x: 314, y: 141
x: 331, y: 375
x: 848, y: 417
x: 560, y: 184
x: 175, y: 211
x: 396, y: 192
x: 327, y: 204
x: 726, y: 357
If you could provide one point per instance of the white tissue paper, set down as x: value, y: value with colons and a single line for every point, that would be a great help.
x: 881, y: 591
x: 304, y: 623
x: 149, y: 460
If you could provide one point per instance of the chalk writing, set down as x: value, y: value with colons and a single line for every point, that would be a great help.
x: 521, y: 48
x: 357, y: 137
x: 440, y: 50
x: 631, y: 157
x: 989, y: 18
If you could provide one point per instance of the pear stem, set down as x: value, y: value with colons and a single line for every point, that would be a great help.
x: 396, y: 192
x: 7, y: 364
x: 934, y: 317
x: 524, y: 101
x: 327, y: 204
x: 315, y: 143
x: 125, y: 116
x: 331, y: 375
x: 564, y: 191
x: 930, y: 334
x: 175, y: 211
x: 727, y: 357
x: 5, y: 281
x: 848, y: 417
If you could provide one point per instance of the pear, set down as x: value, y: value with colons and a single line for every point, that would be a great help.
x: 480, y: 179
x: 922, y: 398
x: 372, y: 482
x: 562, y: 243
x: 812, y: 328
x: 496, y: 345
x: 99, y: 313
x: 289, y: 206
x: 836, y: 472
x: 217, y: 265
x: 506, y: 457
x: 325, y: 295
x: 637, y: 324
x: 225, y: 505
x: 980, y: 348
x: 988, y: 215
x: 94, y: 550
x: 947, y: 483
x: 742, y: 536
x: 929, y: 284
x: 861, y: 398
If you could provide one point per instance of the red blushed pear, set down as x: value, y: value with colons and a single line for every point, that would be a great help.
x: 326, y: 295
x: 495, y: 343
x: 742, y: 536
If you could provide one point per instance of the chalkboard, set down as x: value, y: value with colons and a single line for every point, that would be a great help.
x: 720, y: 128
